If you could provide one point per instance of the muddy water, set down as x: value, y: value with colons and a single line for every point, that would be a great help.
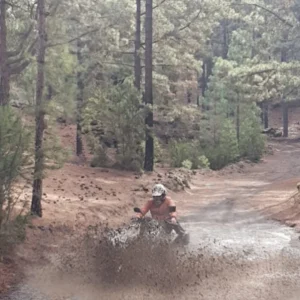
x: 242, y: 256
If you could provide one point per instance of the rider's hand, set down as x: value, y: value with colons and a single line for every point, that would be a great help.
x: 136, y: 218
x: 173, y: 220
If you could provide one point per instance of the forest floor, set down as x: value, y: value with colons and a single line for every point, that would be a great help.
x: 240, y: 244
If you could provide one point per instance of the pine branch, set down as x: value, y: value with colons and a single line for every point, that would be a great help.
x: 191, y: 22
x: 267, y: 10
x: 173, y: 32
x: 73, y: 39
x: 154, y: 7
x: 19, y: 67
x: 21, y: 46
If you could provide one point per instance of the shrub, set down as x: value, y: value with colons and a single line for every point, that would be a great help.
x: 159, y: 152
x: 226, y: 148
x: 179, y: 152
x: 203, y: 162
x: 122, y: 118
x: 188, y: 155
x: 252, y: 142
x: 13, y: 232
x: 187, y: 164
x: 14, y: 156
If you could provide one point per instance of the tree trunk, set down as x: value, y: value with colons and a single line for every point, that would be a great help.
x: 4, y: 72
x: 189, y: 96
x: 149, y: 147
x: 260, y: 105
x: 206, y: 73
x: 238, y: 121
x: 266, y: 115
x: 198, y: 88
x: 225, y: 48
x: 204, y: 77
x: 285, y: 111
x: 80, y: 90
x: 285, y: 118
x: 36, y: 205
x: 137, y: 57
x: 203, y: 85
x: 2, y: 201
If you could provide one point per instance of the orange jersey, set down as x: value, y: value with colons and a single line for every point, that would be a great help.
x: 159, y: 213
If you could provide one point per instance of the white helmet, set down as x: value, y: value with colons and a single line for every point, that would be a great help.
x: 158, y: 190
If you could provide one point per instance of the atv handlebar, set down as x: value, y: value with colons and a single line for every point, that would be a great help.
x: 171, y: 209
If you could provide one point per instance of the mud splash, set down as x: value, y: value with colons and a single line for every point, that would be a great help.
x: 113, y: 258
x: 90, y: 266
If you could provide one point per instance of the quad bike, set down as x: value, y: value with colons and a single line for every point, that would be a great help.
x: 149, y: 229
x: 163, y: 228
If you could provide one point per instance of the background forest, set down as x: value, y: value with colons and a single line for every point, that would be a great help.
x: 183, y: 83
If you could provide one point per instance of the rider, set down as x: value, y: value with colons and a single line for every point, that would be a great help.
x: 160, y: 207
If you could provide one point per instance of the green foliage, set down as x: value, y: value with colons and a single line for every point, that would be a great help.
x: 14, y: 159
x: 187, y: 164
x: 245, y: 44
x: 179, y: 152
x: 252, y: 142
x: 226, y: 149
x: 159, y: 152
x: 13, y: 143
x: 12, y: 233
x: 55, y: 153
x: 119, y: 110
x: 188, y: 155
x: 100, y: 156
x: 203, y: 162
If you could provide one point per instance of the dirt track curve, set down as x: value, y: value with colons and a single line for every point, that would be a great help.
x: 236, y: 253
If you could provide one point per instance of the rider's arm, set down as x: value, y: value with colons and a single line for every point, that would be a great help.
x: 145, y: 209
x: 172, y: 203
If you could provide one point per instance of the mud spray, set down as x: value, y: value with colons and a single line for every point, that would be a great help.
x: 94, y: 266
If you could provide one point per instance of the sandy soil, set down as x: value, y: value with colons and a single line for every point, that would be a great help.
x: 237, y: 250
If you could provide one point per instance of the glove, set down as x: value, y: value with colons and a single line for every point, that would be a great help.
x: 173, y: 220
x: 136, y: 218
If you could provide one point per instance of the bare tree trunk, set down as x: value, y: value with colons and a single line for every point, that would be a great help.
x: 260, y: 105
x: 225, y: 47
x: 36, y: 205
x: 285, y: 111
x: 2, y: 201
x: 204, y: 77
x: 80, y: 91
x: 198, y: 88
x: 238, y: 120
x: 266, y: 115
x: 206, y: 73
x: 285, y: 117
x: 4, y: 72
x: 189, y: 96
x: 137, y: 57
x: 149, y: 147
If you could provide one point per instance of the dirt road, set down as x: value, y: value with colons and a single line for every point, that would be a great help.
x: 236, y: 253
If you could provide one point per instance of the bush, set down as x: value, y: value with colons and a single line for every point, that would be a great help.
x: 12, y: 233
x: 159, y: 153
x: 187, y: 164
x: 188, y: 155
x: 14, y: 155
x: 122, y: 118
x: 226, y: 149
x: 100, y: 158
x: 179, y: 152
x: 203, y: 162
x: 252, y: 142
